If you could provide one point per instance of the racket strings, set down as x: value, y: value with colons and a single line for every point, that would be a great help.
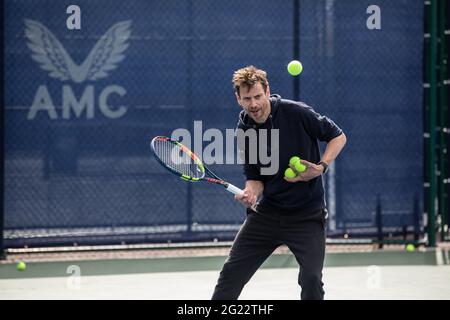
x: 175, y: 158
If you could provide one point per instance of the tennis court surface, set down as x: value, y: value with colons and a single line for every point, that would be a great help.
x: 358, y: 273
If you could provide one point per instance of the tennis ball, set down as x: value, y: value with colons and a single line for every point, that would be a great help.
x: 410, y: 247
x: 300, y: 167
x: 295, y: 162
x: 295, y: 67
x: 21, y: 266
x: 289, y: 173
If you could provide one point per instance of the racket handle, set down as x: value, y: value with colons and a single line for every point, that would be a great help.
x: 233, y: 189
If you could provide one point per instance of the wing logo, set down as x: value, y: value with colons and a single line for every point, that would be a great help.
x: 51, y: 56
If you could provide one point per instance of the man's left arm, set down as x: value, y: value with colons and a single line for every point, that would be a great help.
x: 334, y: 147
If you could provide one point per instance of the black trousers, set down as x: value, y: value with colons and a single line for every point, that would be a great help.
x: 260, y: 235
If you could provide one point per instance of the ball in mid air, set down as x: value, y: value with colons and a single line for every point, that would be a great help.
x: 295, y: 67
x: 410, y: 247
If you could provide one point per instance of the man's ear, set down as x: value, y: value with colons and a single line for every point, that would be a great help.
x: 238, y: 98
x: 268, y: 91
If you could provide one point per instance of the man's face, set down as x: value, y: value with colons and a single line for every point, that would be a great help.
x: 255, y: 102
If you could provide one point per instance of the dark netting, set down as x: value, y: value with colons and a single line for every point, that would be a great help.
x: 177, y: 158
x: 78, y: 165
x: 370, y: 83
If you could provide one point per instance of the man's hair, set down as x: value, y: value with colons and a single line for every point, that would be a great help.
x: 249, y: 76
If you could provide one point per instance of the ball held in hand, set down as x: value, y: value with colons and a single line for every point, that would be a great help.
x: 300, y: 167
x: 289, y: 173
x: 295, y: 162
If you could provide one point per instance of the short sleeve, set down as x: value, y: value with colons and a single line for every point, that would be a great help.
x: 318, y: 126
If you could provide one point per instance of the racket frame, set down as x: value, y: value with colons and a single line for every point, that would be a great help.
x: 212, y: 177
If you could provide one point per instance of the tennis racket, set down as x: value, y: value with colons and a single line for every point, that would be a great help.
x: 184, y: 163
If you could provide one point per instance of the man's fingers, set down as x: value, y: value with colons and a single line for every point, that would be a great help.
x: 296, y: 179
x: 246, y: 199
x: 290, y: 179
x: 306, y: 163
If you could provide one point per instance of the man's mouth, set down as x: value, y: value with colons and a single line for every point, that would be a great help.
x: 254, y: 112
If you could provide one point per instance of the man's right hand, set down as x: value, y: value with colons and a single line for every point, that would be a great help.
x: 247, y: 198
x: 253, y: 189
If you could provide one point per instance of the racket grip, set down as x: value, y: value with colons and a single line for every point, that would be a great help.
x: 233, y: 189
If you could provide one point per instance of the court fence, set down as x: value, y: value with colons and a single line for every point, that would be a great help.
x: 77, y: 163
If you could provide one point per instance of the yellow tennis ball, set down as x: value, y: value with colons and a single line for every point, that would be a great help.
x: 21, y: 266
x: 295, y: 67
x: 294, y: 160
x: 300, y: 167
x: 289, y: 173
x: 410, y: 247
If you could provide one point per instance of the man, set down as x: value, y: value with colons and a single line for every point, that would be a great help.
x: 290, y: 211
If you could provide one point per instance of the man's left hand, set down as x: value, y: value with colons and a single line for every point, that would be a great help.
x: 312, y: 171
